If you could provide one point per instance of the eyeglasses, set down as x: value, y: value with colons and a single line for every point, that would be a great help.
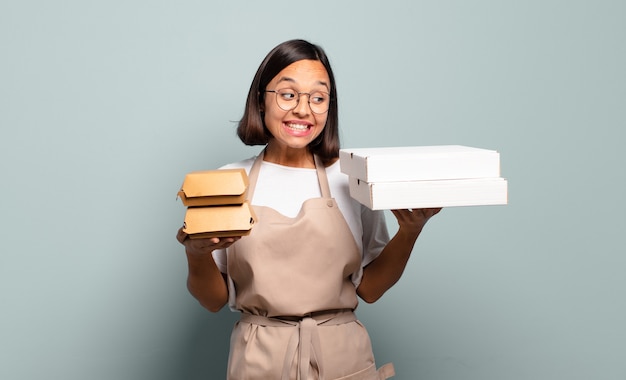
x: 288, y: 99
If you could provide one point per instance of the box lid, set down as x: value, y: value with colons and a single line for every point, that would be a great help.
x: 213, y: 187
x: 413, y: 163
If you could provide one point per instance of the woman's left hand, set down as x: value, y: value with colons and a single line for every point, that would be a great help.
x: 413, y: 220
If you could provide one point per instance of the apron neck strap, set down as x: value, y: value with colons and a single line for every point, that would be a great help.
x: 321, y: 177
x: 319, y: 167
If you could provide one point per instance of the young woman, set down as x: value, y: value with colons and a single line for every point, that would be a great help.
x: 296, y: 277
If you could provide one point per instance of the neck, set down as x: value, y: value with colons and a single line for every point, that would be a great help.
x: 299, y: 158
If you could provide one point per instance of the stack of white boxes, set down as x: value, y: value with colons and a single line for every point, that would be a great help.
x: 424, y: 176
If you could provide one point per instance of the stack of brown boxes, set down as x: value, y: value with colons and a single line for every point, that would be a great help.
x: 216, y: 203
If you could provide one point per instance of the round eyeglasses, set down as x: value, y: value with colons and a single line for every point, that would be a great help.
x: 288, y: 99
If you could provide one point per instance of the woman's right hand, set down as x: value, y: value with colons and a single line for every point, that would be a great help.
x: 203, y: 246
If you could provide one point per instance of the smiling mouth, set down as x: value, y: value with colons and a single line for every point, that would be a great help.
x: 298, y: 127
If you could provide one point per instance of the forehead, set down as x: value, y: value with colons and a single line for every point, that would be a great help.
x: 303, y: 73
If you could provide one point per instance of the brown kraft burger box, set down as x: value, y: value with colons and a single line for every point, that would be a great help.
x: 216, y: 203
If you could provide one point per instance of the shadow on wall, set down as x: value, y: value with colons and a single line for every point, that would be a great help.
x: 204, y: 350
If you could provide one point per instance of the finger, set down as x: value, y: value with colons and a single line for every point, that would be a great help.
x: 433, y: 211
x: 401, y: 212
x: 210, y: 244
x: 227, y: 242
x: 203, y: 243
x: 181, y: 235
x: 400, y: 215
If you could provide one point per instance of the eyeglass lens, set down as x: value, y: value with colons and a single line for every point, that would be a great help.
x: 287, y: 99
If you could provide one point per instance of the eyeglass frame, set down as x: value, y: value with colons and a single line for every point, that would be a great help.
x: 298, y: 99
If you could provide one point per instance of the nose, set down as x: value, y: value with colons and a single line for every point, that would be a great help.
x: 303, y: 107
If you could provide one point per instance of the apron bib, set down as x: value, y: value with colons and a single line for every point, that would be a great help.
x: 293, y: 285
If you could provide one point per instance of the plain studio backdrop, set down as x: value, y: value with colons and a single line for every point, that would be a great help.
x: 106, y: 105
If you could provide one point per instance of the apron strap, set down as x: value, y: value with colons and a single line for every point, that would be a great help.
x: 256, y: 167
x: 321, y: 177
x: 386, y: 371
x: 254, y: 174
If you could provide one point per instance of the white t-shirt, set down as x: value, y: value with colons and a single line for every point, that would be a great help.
x: 285, y: 188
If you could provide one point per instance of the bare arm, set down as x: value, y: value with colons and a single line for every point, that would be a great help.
x: 382, y: 273
x: 204, y: 281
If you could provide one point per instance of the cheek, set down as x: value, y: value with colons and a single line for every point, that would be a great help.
x: 322, y: 121
x: 271, y: 110
x: 269, y: 116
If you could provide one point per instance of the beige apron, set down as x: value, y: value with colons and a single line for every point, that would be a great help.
x: 293, y: 285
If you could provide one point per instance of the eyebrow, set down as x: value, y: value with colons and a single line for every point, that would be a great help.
x: 291, y: 80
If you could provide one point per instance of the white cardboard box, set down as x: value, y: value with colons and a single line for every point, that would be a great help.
x: 427, y: 194
x: 418, y: 163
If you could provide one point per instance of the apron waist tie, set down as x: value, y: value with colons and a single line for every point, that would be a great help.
x: 305, y: 343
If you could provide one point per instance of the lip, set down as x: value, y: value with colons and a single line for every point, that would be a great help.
x: 298, y: 132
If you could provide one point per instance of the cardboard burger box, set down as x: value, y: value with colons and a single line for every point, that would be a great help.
x: 424, y: 176
x: 219, y: 221
x: 216, y: 203
x: 214, y: 187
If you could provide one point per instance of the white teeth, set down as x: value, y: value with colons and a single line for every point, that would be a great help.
x: 299, y: 127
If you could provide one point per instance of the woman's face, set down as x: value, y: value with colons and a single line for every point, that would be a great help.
x: 296, y: 128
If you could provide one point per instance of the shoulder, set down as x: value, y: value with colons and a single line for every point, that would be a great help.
x: 334, y: 173
x: 243, y: 164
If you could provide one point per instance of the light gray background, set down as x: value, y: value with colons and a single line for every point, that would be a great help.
x: 105, y: 105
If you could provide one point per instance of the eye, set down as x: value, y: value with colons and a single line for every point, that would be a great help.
x: 319, y: 97
x: 287, y: 94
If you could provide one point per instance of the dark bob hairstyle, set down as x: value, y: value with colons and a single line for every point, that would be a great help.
x: 251, y: 129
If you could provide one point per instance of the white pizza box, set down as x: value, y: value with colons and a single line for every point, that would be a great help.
x: 416, y: 163
x: 431, y: 193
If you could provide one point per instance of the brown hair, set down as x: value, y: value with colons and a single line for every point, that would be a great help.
x: 251, y: 129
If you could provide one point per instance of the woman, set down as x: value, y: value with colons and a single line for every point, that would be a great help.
x: 296, y: 277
